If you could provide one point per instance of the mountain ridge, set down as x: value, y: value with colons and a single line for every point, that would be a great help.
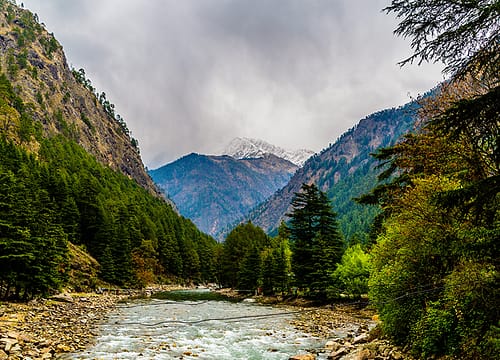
x: 344, y: 171
x: 217, y: 190
x: 244, y: 147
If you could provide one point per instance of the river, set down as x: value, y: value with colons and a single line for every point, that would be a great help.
x: 199, y: 327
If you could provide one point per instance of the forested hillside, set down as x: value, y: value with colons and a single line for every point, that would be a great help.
x: 72, y: 180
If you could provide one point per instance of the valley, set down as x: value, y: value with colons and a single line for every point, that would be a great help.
x: 388, y: 237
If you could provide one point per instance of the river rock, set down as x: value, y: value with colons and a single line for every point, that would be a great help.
x: 360, y: 338
x: 337, y: 354
x: 366, y: 354
x: 9, y: 344
x: 332, y: 346
x: 63, y: 297
x: 303, y: 357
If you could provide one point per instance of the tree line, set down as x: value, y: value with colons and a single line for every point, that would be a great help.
x: 307, y: 257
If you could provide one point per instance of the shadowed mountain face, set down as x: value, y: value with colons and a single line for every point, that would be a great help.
x: 216, y: 191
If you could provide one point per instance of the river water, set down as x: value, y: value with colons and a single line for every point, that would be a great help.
x: 199, y: 329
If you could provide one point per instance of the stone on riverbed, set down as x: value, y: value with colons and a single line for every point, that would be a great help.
x: 303, y: 357
x: 63, y: 297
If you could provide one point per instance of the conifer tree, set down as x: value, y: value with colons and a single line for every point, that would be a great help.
x: 317, y: 244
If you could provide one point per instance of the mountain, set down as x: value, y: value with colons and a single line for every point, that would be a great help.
x: 344, y: 171
x: 215, y: 191
x: 242, y: 148
x: 75, y: 199
x: 61, y: 100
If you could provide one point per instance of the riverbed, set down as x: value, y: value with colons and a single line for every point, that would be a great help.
x: 194, y: 327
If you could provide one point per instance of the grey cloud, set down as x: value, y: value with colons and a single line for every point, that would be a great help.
x: 190, y: 75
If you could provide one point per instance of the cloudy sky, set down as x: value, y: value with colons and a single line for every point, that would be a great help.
x: 190, y: 75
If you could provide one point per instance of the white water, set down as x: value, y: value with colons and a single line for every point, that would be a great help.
x: 160, y: 329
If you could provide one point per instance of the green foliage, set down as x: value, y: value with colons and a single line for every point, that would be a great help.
x: 352, y: 273
x: 250, y: 259
x: 276, y: 263
x: 87, y: 121
x: 464, y: 35
x: 50, y: 45
x: 33, y: 248
x: 436, y: 258
x: 238, y: 257
x: 12, y: 65
x: 317, y: 244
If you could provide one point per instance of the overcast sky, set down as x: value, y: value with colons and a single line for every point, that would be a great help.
x: 190, y: 75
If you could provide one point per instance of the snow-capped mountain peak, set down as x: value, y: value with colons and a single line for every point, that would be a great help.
x: 242, y: 148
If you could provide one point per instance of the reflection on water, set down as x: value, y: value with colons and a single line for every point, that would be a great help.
x: 199, y: 328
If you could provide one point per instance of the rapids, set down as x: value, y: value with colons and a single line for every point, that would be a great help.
x: 195, y: 327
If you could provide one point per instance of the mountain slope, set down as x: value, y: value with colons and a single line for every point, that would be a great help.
x: 61, y: 100
x: 70, y: 174
x: 344, y: 170
x: 242, y: 148
x: 215, y: 191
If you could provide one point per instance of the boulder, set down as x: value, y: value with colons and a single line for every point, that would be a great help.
x: 360, y: 338
x: 366, y: 354
x: 335, y: 355
x: 303, y: 357
x: 332, y: 345
x: 63, y: 297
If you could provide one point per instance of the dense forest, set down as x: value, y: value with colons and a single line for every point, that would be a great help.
x: 435, y: 273
x: 67, y: 196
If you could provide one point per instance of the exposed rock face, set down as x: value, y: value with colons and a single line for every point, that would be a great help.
x: 59, y: 103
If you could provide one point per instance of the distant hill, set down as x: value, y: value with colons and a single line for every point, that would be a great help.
x: 215, y: 191
x: 243, y: 148
x: 344, y: 170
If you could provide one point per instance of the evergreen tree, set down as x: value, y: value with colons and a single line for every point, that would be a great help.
x: 249, y: 277
x: 242, y: 247
x: 317, y: 244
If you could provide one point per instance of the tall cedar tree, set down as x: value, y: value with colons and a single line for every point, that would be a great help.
x: 317, y: 244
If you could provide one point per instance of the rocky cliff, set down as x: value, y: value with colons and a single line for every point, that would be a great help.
x: 59, y: 99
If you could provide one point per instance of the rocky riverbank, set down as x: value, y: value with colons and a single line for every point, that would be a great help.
x: 350, y: 331
x: 45, y: 328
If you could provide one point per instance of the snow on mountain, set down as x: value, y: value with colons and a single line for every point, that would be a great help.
x: 243, y: 148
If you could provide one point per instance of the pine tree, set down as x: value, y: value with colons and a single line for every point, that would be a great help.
x: 317, y: 244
